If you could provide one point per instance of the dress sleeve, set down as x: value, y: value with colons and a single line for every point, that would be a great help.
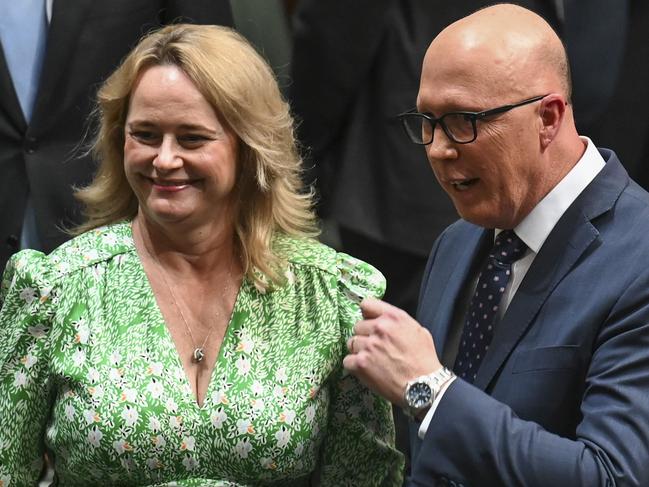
x: 359, y: 445
x: 25, y: 316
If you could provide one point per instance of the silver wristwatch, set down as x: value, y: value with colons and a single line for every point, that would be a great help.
x: 422, y: 391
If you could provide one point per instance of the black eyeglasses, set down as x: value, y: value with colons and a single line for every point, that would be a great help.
x: 460, y: 127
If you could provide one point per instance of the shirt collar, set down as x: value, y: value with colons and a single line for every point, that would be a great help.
x: 537, y: 225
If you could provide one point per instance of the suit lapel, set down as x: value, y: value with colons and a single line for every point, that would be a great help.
x: 9, y: 100
x: 443, y: 317
x: 573, y: 234
x: 65, y: 26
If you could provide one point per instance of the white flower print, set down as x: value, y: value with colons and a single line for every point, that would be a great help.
x: 29, y: 361
x: 175, y: 422
x: 78, y: 357
x: 159, y: 441
x: 156, y: 368
x: 93, y: 375
x: 279, y: 391
x: 153, y: 463
x: 287, y: 416
x: 188, y: 443
x: 69, y: 412
x: 281, y: 375
x: 95, y: 436
x: 171, y: 405
x: 246, y: 345
x: 243, y: 365
x: 219, y: 397
x: 28, y: 295
x: 20, y: 379
x: 299, y: 449
x: 310, y: 413
x: 190, y: 463
x: 129, y: 415
x: 121, y: 446
x: 257, y: 388
x: 83, y: 332
x: 283, y: 436
x: 115, y: 358
x: 218, y: 417
x: 91, y: 416
x: 115, y: 375
x: 243, y: 447
x: 5, y: 480
x: 257, y: 404
x: 38, y: 331
x: 155, y: 388
x: 268, y: 463
x: 244, y: 426
x: 154, y: 424
x: 96, y: 391
x: 129, y: 394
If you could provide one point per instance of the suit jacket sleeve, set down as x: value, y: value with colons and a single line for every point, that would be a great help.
x: 475, y: 440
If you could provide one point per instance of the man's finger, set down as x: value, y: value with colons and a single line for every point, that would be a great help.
x: 373, y: 308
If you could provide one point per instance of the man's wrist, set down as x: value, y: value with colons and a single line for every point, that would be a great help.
x: 420, y: 393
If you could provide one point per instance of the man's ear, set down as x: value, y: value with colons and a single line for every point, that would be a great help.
x: 552, y: 111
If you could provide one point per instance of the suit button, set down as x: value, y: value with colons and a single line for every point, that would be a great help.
x: 13, y: 241
x: 30, y: 145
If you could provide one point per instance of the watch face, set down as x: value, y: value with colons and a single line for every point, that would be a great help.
x: 419, y: 395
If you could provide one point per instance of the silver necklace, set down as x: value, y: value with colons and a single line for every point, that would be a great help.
x: 199, y: 352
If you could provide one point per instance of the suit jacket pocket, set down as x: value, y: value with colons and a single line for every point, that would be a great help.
x: 563, y: 357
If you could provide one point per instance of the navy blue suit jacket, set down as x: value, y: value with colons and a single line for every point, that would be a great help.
x: 562, y: 396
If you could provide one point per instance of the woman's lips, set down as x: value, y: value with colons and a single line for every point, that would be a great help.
x: 170, y: 185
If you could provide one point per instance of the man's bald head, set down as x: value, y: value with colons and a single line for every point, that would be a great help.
x: 508, y: 46
x: 508, y: 59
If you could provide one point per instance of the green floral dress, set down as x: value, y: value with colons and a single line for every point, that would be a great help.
x: 89, y: 372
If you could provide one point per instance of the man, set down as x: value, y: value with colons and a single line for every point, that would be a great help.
x: 547, y: 328
x: 78, y: 43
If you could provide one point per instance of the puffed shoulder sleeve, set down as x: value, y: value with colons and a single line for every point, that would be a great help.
x: 26, y: 298
x: 359, y: 448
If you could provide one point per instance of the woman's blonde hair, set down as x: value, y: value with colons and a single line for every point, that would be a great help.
x: 239, y: 84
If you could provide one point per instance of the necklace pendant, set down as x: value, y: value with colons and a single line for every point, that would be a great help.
x: 199, y: 354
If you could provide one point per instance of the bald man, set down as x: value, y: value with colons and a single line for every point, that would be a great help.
x: 532, y: 364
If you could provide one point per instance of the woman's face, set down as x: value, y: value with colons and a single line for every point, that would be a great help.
x: 180, y: 160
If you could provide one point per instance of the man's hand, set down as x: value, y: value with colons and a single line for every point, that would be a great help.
x: 388, y: 349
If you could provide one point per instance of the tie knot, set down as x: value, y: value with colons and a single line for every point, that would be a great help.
x: 507, y: 247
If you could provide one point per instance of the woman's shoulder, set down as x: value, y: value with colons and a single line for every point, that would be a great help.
x: 91, y: 248
x: 356, y: 277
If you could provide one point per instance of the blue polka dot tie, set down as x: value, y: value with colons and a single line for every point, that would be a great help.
x: 483, y: 309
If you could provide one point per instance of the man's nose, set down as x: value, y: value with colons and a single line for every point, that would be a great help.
x: 442, y: 147
x: 168, y: 156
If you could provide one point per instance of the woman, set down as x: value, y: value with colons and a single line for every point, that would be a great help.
x: 194, y: 332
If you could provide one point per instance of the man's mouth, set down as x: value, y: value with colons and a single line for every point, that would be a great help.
x: 463, y: 184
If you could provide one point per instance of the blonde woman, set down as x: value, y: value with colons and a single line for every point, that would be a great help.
x: 193, y: 332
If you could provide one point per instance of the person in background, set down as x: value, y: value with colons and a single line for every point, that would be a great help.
x: 53, y: 56
x: 193, y: 332
x: 532, y: 364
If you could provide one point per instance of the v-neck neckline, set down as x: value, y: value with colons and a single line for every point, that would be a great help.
x: 171, y: 344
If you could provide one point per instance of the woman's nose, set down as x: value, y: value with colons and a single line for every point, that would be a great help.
x: 168, y: 155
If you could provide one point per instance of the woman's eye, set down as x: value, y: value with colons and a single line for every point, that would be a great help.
x: 192, y: 139
x: 143, y: 136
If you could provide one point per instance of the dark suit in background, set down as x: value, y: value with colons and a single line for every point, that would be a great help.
x: 355, y: 66
x: 86, y: 41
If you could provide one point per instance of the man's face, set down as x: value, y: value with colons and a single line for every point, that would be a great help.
x: 496, y: 180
